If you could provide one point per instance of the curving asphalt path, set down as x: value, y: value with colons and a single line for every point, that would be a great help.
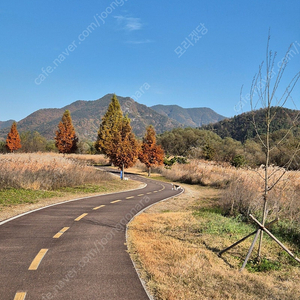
x: 77, y: 249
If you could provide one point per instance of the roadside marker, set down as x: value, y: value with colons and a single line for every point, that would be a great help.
x: 80, y: 217
x: 60, y: 233
x: 37, y: 260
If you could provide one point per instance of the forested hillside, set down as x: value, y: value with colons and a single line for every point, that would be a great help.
x: 241, y: 127
x: 205, y: 144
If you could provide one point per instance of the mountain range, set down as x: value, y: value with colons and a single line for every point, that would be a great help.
x: 87, y: 115
x: 191, y: 117
x: 5, y: 124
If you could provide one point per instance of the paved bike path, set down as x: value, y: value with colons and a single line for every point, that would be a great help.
x: 76, y: 250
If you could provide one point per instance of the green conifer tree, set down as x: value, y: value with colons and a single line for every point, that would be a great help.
x: 109, y: 125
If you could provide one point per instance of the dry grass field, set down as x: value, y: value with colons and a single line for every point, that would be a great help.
x: 242, y: 189
x: 46, y: 171
x: 29, y: 181
x: 175, y: 245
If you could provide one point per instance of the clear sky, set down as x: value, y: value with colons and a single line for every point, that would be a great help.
x: 56, y: 52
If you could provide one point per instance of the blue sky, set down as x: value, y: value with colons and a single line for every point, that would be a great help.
x: 56, y: 52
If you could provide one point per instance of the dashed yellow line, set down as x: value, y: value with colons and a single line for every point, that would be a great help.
x: 95, y: 208
x: 149, y: 193
x: 80, y: 217
x: 60, y: 233
x: 140, y: 195
x: 20, y: 296
x: 155, y: 191
x: 37, y: 260
x: 130, y: 197
x: 116, y: 201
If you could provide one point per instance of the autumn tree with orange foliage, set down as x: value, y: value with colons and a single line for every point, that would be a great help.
x: 65, y: 138
x: 13, y: 141
x: 151, y: 154
x: 123, y: 150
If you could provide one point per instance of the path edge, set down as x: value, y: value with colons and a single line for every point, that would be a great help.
x: 66, y: 201
x: 151, y: 297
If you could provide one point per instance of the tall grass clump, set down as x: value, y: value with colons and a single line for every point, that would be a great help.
x: 244, y: 196
x: 201, y: 172
x: 242, y: 192
x: 90, y: 159
x: 46, y: 172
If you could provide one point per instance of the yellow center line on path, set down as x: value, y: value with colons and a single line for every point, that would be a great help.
x: 80, y: 217
x: 155, y: 191
x: 149, y: 193
x: 140, y: 195
x: 116, y: 201
x: 130, y: 197
x: 37, y: 260
x: 20, y: 296
x: 95, y: 208
x: 60, y: 233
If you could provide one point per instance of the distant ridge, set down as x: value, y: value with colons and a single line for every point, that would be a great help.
x: 87, y: 115
x: 5, y: 124
x: 193, y: 117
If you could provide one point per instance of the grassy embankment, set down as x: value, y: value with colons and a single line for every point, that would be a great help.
x: 176, y: 243
x: 29, y: 181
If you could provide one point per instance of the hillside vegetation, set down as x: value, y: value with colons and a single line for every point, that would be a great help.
x: 235, y: 141
x: 241, y: 127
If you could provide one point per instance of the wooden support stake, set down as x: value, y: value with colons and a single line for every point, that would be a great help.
x: 274, y: 238
x: 250, y: 250
x: 244, y: 238
x: 236, y: 243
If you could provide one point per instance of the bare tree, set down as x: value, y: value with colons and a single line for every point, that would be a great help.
x: 263, y: 94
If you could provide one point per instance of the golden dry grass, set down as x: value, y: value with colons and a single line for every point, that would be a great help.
x: 24, y: 179
x: 46, y: 171
x: 243, y: 188
x: 91, y: 159
x: 177, y: 254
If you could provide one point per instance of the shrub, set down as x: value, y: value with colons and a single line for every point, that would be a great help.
x: 238, y: 161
